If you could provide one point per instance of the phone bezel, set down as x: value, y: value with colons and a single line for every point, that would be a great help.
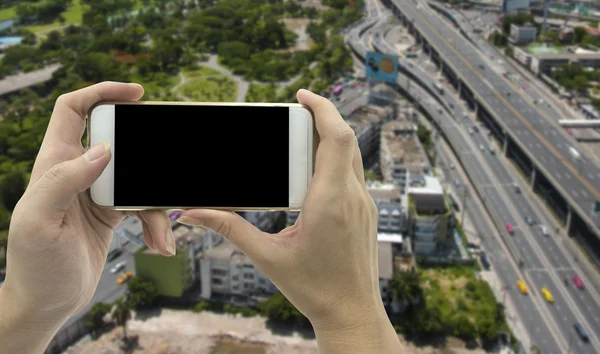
x: 302, y: 128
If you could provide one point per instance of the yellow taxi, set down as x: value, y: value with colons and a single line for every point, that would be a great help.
x: 548, y: 295
x: 522, y: 287
x: 124, y: 277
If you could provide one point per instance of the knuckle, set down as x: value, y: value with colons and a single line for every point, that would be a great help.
x: 56, y: 173
x: 345, y: 135
x: 62, y: 99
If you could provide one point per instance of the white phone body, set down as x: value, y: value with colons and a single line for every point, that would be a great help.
x: 302, y: 148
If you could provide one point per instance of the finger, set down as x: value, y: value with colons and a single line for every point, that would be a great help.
x: 337, y: 139
x: 147, y: 234
x: 232, y: 227
x: 68, y: 118
x: 63, y: 136
x: 159, y: 226
x: 58, y: 187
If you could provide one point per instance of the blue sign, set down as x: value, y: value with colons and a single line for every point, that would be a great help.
x: 382, y: 67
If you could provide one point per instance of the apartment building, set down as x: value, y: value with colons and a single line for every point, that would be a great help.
x: 401, y: 153
x: 173, y: 276
x: 545, y: 63
x: 432, y: 218
x: 366, y: 121
x: 393, y: 247
x: 522, y: 34
x: 228, y: 274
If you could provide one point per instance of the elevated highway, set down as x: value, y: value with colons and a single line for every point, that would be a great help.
x: 539, y: 148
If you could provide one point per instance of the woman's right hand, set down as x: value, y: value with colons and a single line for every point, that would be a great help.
x: 326, y: 263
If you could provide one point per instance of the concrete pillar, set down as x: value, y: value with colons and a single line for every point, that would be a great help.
x: 532, y: 177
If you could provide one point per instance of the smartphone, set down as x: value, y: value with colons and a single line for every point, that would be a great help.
x: 179, y: 155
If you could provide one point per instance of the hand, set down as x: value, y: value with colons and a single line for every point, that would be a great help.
x: 325, y: 264
x: 58, y: 240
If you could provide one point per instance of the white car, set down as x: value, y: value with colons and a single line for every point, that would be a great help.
x: 119, y: 266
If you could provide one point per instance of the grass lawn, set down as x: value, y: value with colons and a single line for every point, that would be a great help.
x: 207, y: 85
x: 449, y: 289
x: 73, y: 16
x: 7, y: 13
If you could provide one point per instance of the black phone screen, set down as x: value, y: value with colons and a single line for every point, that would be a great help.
x: 212, y: 156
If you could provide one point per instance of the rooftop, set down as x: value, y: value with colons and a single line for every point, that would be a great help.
x: 385, y: 260
x: 425, y: 185
x: 384, y: 191
x: 225, y: 251
x: 184, y: 237
x: 384, y: 237
x: 364, y: 116
x: 23, y: 80
x: 402, y: 144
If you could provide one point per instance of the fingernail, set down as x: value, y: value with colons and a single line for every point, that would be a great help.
x: 136, y: 85
x: 170, y: 241
x: 186, y: 220
x: 96, y: 152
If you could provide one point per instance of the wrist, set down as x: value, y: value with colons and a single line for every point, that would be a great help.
x: 358, y: 328
x: 369, y: 332
x: 25, y: 316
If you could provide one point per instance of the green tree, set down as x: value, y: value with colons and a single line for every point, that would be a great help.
x: 279, y: 308
x: 424, y: 136
x: 96, y: 67
x: 406, y: 287
x: 95, y: 320
x: 12, y: 187
x: 122, y: 314
x: 578, y: 34
x: 142, y: 293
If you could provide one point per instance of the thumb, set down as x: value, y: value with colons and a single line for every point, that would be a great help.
x: 60, y: 184
x: 232, y: 227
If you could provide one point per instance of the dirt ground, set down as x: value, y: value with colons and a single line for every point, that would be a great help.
x: 175, y: 332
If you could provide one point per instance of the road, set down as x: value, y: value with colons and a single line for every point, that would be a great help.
x: 546, y: 261
x: 507, y: 271
x: 542, y: 140
x: 497, y: 182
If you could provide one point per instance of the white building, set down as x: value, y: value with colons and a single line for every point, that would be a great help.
x: 401, y: 153
x: 228, y: 273
x: 432, y: 219
x: 522, y: 34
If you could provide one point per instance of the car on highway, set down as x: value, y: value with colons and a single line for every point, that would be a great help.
x: 492, y: 151
x: 124, y: 277
x: 522, y: 287
x: 471, y: 131
x: 577, y: 281
x: 457, y: 182
x: 547, y: 295
x: 118, y: 267
x: 544, y: 230
x: 114, y: 254
x: 528, y: 220
x: 481, y: 147
x: 516, y: 187
x: 581, y: 332
x: 484, y: 260
x: 510, y: 229
x: 476, y: 129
